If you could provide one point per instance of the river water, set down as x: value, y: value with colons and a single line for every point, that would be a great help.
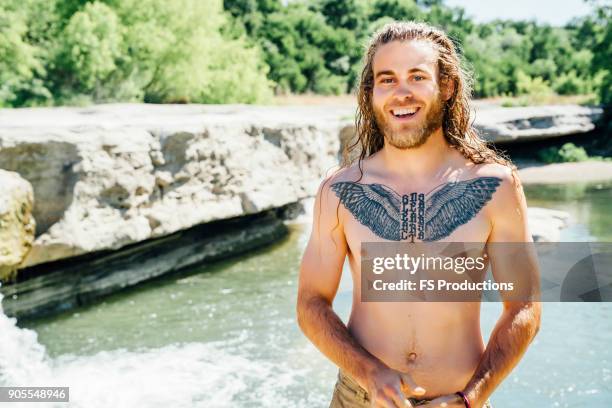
x: 224, y: 335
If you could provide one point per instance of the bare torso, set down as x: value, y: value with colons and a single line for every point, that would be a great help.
x: 438, y: 343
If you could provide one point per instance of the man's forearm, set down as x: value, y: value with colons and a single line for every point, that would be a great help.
x: 509, y: 341
x: 329, y: 334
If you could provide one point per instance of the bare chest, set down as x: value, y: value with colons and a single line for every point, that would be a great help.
x: 453, y: 212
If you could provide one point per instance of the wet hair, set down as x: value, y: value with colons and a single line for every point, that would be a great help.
x: 457, y: 129
x: 456, y: 126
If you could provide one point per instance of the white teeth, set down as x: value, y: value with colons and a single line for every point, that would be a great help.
x: 404, y: 111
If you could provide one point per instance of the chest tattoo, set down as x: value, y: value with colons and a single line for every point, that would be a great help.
x: 427, y: 217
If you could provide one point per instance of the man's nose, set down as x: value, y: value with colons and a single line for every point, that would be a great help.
x: 403, y: 89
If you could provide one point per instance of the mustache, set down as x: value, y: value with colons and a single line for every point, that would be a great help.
x: 405, y: 104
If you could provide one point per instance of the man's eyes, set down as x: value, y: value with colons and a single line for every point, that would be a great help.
x: 417, y: 78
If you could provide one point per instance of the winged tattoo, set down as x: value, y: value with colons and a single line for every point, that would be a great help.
x: 429, y: 217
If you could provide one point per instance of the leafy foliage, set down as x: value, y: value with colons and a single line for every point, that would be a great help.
x: 76, y: 51
x: 569, y: 152
x: 214, y: 51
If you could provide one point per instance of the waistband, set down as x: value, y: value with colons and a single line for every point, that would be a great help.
x: 362, y: 394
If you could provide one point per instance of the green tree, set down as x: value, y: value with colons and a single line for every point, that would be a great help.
x: 396, y: 9
x: 21, y: 62
x: 75, y: 51
x: 175, y: 52
x: 602, y: 50
x: 349, y: 14
x: 305, y: 53
x: 91, y: 45
x: 67, y: 51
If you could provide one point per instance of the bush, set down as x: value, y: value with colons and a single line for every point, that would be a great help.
x: 81, y: 52
x: 569, y: 152
x: 91, y: 46
x: 175, y: 52
x: 526, y: 85
x: 571, y: 84
x: 20, y: 62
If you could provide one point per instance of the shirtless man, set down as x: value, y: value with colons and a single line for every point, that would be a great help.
x: 413, y: 135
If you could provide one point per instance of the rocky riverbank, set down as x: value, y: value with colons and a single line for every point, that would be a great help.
x: 16, y: 222
x: 52, y: 287
x: 579, y: 172
x: 111, y: 181
x: 114, y: 175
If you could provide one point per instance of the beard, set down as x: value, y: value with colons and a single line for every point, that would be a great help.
x: 412, y: 134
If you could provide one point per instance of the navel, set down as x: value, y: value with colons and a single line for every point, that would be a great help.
x: 412, y: 357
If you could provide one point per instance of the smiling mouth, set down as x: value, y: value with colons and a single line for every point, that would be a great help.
x: 404, y: 112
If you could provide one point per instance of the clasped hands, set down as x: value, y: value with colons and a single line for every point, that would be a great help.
x: 389, y: 388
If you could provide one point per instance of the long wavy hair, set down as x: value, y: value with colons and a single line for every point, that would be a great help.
x: 456, y: 125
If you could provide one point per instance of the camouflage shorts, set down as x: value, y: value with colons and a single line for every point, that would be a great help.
x: 349, y: 394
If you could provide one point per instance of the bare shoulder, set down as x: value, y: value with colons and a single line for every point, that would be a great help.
x: 507, y: 209
x: 350, y: 173
x: 509, y: 179
x: 340, y: 174
x: 509, y: 195
x: 498, y: 170
x: 327, y: 202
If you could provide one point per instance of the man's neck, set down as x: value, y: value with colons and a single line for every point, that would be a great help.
x: 430, y: 160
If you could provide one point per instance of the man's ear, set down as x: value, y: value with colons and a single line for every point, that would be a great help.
x: 448, y: 88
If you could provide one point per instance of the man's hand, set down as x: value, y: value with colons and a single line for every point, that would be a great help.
x: 389, y: 388
x: 445, y: 401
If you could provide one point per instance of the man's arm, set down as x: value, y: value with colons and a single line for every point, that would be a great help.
x: 320, y: 274
x: 516, y: 263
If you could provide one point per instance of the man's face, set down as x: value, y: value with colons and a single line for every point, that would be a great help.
x: 406, y: 95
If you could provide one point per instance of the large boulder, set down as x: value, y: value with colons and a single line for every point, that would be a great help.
x: 16, y: 222
x: 519, y: 124
x: 546, y: 224
x: 112, y: 175
x: 502, y: 125
x: 558, y: 173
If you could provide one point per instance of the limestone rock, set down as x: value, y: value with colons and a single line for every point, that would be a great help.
x: 77, y: 282
x: 546, y: 224
x: 504, y: 125
x: 556, y: 173
x: 112, y: 175
x: 16, y: 222
x: 518, y: 124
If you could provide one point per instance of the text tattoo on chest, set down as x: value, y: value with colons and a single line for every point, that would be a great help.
x: 427, y: 217
x: 413, y: 216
